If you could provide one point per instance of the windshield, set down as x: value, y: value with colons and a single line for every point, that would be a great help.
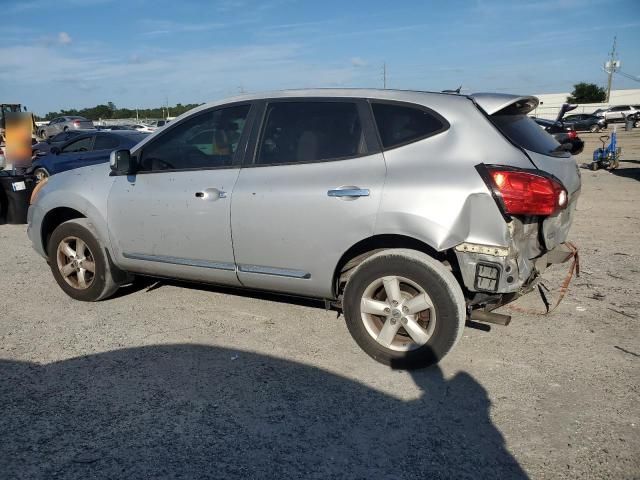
x: 525, y: 133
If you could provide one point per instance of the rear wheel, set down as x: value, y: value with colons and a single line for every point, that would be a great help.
x: 78, y: 262
x: 404, y: 308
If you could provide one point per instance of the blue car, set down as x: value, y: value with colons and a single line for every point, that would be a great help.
x: 83, y: 150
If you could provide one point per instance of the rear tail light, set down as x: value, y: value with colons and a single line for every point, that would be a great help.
x: 76, y: 122
x: 522, y: 192
x: 572, y: 134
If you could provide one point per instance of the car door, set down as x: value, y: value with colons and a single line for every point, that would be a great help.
x: 310, y: 192
x: 172, y: 217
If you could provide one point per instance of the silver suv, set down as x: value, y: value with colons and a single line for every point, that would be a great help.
x: 407, y: 211
x: 617, y: 114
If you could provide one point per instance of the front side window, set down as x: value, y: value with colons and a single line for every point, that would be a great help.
x: 206, y: 140
x: 297, y: 132
x: 400, y: 124
x: 82, y: 145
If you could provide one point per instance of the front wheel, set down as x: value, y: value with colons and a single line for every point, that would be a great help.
x: 404, y: 308
x: 78, y: 262
x: 594, y: 128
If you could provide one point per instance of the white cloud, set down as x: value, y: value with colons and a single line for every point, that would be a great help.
x: 64, y: 38
x: 358, y: 62
x: 191, y: 76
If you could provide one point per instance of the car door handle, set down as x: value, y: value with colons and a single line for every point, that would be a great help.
x: 211, y: 194
x: 349, y: 192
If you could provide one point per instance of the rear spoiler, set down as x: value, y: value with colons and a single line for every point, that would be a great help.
x: 494, y: 103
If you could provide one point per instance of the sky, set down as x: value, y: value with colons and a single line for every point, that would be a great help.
x: 58, y: 54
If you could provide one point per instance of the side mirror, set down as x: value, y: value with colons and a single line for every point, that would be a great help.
x: 55, y: 150
x: 121, y: 162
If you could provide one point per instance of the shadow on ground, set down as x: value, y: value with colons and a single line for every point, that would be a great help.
x: 632, y: 172
x: 189, y: 411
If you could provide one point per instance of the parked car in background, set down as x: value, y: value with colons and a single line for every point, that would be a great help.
x: 564, y: 134
x: 159, y: 123
x: 83, y: 150
x: 617, y: 113
x: 62, y: 124
x: 585, y: 122
x: 111, y: 128
x: 404, y: 210
x: 42, y: 148
x: 140, y: 127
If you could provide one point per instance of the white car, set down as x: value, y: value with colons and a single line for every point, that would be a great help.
x: 145, y: 128
x: 617, y: 114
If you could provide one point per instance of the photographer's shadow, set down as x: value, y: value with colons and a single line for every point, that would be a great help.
x: 193, y: 411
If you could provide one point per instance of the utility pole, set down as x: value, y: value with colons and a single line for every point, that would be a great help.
x: 384, y: 75
x: 610, y: 67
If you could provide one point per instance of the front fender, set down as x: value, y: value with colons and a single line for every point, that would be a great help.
x: 84, y: 190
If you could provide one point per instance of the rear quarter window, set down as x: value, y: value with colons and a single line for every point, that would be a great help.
x: 402, y: 124
x: 525, y: 133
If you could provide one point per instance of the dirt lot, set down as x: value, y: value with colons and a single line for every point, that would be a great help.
x: 182, y: 381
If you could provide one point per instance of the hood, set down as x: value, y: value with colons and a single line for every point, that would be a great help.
x: 493, y: 103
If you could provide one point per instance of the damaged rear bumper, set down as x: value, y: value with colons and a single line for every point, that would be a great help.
x: 496, y: 271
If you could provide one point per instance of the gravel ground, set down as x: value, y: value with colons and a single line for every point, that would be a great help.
x: 182, y: 381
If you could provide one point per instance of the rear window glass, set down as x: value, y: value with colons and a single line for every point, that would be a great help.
x: 525, y: 133
x: 399, y: 124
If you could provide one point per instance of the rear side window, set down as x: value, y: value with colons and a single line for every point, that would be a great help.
x: 400, y: 124
x: 525, y: 133
x: 104, y: 142
x: 296, y: 132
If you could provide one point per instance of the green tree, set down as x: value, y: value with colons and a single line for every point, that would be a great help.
x: 587, y: 93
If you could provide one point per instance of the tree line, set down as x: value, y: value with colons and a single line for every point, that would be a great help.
x: 110, y: 111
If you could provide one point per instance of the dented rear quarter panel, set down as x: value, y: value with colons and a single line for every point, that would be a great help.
x: 433, y: 191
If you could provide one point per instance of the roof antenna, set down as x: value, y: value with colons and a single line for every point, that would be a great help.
x: 457, y: 90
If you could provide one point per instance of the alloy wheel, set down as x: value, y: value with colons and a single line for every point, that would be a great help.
x: 398, y: 313
x: 76, y: 263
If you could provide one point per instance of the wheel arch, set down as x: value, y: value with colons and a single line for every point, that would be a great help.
x: 360, y: 251
x: 53, y: 219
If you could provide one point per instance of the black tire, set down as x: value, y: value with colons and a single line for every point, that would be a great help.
x: 65, y: 129
x: 102, y: 283
x: 439, y: 284
x: 594, y: 128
